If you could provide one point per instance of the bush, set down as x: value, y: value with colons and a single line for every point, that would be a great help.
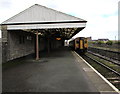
x: 117, y: 42
x: 109, y: 42
x: 100, y: 42
x: 94, y: 42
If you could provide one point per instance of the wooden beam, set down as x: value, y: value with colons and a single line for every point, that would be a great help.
x: 37, y: 46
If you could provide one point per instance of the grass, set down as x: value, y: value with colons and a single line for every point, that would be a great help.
x: 104, y: 48
x: 98, y: 67
x: 106, y: 73
x: 109, y: 64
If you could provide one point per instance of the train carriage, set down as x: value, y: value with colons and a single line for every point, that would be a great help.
x: 79, y: 44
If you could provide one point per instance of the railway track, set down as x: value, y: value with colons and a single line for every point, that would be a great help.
x: 108, y: 72
x: 117, y: 62
x: 104, y: 65
x: 108, y: 53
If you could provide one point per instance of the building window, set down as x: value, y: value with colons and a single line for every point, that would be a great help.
x: 29, y: 38
x: 21, y: 39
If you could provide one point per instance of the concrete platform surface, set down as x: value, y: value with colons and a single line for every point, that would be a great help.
x: 59, y: 71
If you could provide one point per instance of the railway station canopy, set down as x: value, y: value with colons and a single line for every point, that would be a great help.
x: 42, y: 19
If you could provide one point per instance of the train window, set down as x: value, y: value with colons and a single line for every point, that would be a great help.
x: 23, y: 39
x: 20, y: 39
x: 85, y: 41
x: 77, y: 41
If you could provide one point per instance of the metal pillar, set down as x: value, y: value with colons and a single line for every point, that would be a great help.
x: 37, y: 46
x: 48, y: 45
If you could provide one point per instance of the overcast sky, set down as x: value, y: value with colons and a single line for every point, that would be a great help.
x: 102, y: 15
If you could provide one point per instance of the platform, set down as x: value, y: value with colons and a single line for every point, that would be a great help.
x: 60, y: 71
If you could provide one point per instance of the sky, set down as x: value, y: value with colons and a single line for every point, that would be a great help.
x: 101, y: 15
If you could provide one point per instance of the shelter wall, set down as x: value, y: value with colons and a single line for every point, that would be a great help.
x: 19, y: 44
x: 55, y: 44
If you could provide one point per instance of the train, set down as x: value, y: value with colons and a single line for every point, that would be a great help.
x: 79, y: 44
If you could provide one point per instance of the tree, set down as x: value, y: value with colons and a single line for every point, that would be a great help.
x: 100, y: 42
x: 109, y: 42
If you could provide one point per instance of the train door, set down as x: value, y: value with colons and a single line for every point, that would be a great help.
x: 85, y: 44
x: 77, y: 44
x: 81, y: 44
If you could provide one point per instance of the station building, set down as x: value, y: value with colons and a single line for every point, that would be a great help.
x: 36, y: 29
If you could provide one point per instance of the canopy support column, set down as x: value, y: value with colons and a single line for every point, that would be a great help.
x: 37, y: 46
x: 48, y: 45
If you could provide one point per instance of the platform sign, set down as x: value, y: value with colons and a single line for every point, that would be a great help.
x: 58, y: 38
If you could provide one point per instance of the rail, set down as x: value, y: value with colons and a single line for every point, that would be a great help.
x: 105, y: 58
x: 105, y: 66
x: 107, y: 53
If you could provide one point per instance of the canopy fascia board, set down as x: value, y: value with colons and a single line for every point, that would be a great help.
x: 45, y: 26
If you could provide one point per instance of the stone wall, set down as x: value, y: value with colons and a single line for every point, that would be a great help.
x: 54, y: 44
x: 19, y: 44
x: 4, y: 51
x: 4, y: 43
